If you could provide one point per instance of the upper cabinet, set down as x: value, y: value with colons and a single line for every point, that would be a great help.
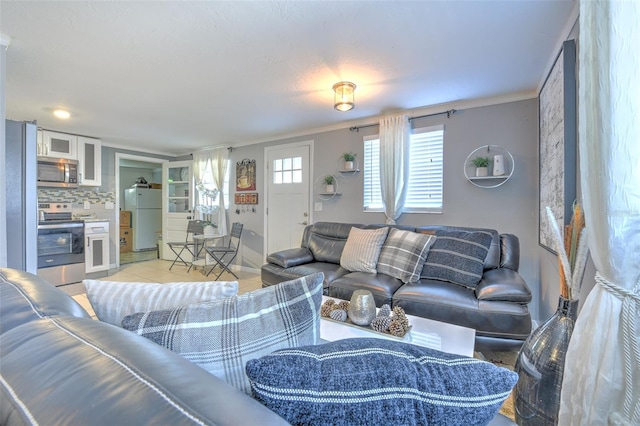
x: 88, y: 152
x: 89, y: 161
x: 57, y: 145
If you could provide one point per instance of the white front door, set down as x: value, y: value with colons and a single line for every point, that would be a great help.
x: 177, y: 203
x: 288, y: 200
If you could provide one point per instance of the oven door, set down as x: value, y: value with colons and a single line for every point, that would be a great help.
x: 60, y: 244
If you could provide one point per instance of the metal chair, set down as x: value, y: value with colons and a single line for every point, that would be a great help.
x: 224, y: 255
x: 194, y: 227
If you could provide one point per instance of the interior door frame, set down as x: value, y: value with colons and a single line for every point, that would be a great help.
x: 266, y: 168
x: 123, y: 156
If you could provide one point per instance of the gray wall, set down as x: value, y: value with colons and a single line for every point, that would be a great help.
x: 511, y: 208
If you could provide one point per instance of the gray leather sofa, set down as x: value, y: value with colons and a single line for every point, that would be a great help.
x: 58, y: 366
x: 496, y: 308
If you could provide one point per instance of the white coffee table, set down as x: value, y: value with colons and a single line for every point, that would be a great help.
x: 424, y: 332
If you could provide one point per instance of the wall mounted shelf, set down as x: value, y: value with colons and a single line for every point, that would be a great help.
x: 489, y: 181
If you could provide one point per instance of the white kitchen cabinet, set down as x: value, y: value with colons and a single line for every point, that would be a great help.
x: 96, y: 235
x: 89, y: 161
x: 57, y: 145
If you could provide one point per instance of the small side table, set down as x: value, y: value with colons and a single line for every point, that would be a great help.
x: 200, y: 241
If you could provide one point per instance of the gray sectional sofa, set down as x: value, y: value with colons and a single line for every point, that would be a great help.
x: 496, y: 307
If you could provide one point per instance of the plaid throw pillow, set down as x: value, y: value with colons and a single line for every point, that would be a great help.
x: 221, y: 336
x: 375, y: 381
x: 457, y: 257
x: 403, y: 254
x: 113, y: 300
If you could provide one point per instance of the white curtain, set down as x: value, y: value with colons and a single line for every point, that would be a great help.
x: 394, y: 164
x: 219, y: 164
x: 200, y: 160
x: 216, y: 160
x: 601, y: 382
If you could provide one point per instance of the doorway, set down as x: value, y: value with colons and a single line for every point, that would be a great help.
x: 288, y: 186
x: 129, y: 169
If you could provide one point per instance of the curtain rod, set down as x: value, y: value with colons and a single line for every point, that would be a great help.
x: 448, y: 112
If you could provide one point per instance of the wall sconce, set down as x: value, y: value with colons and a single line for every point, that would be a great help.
x: 343, y: 100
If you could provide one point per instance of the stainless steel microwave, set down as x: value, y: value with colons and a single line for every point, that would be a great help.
x: 57, y: 172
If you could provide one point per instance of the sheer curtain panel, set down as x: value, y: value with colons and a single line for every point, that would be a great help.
x: 602, y: 372
x: 219, y: 164
x: 394, y: 164
x: 200, y: 160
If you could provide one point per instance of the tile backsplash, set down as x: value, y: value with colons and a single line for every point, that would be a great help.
x: 75, y: 196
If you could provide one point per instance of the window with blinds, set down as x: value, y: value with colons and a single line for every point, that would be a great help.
x: 424, y: 192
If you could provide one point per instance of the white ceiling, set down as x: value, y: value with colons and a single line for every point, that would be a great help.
x: 173, y: 77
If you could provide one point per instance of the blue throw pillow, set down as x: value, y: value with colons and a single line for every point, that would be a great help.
x: 376, y: 381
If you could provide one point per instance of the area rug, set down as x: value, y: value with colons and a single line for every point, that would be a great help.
x: 506, y: 360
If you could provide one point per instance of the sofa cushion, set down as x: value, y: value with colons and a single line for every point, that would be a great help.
x: 380, y: 285
x: 378, y: 382
x: 457, y: 257
x: 221, y: 336
x: 403, y: 254
x: 362, y: 249
x: 113, y: 300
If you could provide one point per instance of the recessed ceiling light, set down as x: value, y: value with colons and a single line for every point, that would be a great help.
x: 62, y: 114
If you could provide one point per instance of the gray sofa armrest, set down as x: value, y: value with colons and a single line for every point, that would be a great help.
x: 509, y: 251
x: 291, y: 257
x: 504, y: 285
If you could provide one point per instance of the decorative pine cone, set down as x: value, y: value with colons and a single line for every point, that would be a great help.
x: 396, y: 328
x: 397, y: 310
x: 327, y: 307
x: 338, y: 315
x: 401, y: 319
x: 381, y: 324
x: 385, y: 311
x: 344, y: 305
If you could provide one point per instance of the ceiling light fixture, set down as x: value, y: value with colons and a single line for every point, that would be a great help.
x: 343, y: 100
x: 62, y: 114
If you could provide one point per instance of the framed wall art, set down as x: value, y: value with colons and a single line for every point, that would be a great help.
x: 558, y: 143
x: 246, y: 175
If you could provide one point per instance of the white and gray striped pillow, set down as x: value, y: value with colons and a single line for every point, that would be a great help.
x: 362, y: 249
x: 113, y: 300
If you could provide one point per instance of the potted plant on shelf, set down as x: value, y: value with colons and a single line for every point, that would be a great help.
x: 328, y: 184
x: 348, y: 158
x: 482, y: 166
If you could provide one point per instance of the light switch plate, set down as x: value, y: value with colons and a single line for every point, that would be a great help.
x: 109, y: 205
x: 87, y: 205
x: 317, y: 207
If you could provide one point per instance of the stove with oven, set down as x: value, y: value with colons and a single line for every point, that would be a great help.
x: 61, y: 257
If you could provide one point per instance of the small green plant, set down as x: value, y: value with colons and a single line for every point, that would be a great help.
x: 481, y: 161
x: 349, y: 156
x: 329, y: 180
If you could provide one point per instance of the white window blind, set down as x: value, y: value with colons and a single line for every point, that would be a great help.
x: 424, y: 192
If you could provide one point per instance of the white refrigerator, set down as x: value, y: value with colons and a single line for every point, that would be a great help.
x: 146, y: 216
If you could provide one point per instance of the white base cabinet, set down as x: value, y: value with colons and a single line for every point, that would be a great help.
x: 96, y: 255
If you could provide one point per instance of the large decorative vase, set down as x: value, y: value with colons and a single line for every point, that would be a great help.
x: 362, y: 307
x: 540, y: 367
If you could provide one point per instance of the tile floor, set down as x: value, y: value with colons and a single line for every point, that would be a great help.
x: 158, y: 271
